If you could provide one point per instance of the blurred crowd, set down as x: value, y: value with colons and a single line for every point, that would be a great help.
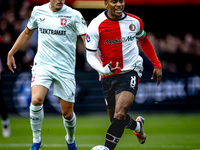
x: 177, y: 54
x: 14, y: 15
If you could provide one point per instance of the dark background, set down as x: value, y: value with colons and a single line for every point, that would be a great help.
x: 161, y: 20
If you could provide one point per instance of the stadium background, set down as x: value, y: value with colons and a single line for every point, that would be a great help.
x: 171, y: 109
x: 171, y: 25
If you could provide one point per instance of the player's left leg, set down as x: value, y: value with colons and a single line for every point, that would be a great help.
x: 64, y: 89
x: 123, y: 101
x: 69, y: 121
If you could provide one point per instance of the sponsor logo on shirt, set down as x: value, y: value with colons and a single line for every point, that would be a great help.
x: 51, y: 31
x: 117, y: 41
x: 64, y: 16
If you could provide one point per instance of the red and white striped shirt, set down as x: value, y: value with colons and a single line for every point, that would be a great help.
x: 117, y: 41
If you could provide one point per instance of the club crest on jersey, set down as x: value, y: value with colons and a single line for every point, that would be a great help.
x: 132, y: 27
x: 63, y: 21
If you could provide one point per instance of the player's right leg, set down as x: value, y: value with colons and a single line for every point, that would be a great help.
x: 37, y: 114
x: 40, y: 83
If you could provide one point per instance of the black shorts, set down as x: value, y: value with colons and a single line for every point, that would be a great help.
x: 113, y: 85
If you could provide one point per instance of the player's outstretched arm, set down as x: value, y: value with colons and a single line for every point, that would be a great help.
x: 21, y: 40
x: 149, y: 51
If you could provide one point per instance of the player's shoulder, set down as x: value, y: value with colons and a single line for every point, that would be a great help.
x: 138, y: 20
x: 72, y: 10
x: 100, y: 18
x: 41, y: 7
x: 134, y: 17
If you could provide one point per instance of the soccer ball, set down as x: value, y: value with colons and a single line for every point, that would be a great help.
x: 100, y: 147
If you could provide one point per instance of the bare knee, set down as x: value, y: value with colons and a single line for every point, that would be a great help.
x: 67, y: 115
x: 121, y: 115
x: 37, y: 102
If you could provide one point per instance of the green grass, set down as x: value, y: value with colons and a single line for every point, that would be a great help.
x: 164, y: 131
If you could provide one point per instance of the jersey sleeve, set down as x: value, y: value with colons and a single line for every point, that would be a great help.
x: 92, y: 38
x: 146, y: 45
x: 80, y: 24
x: 32, y: 23
x: 141, y: 33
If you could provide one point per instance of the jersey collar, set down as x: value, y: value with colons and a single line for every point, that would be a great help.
x: 123, y: 16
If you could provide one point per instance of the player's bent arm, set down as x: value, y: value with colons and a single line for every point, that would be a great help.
x: 149, y: 51
x: 95, y: 63
x: 21, y: 40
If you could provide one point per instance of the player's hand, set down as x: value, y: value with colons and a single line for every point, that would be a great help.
x: 108, y: 70
x: 100, y: 76
x: 158, y: 73
x: 11, y: 63
x: 115, y: 68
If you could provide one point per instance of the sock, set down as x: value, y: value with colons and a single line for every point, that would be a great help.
x: 5, y: 123
x: 130, y: 123
x: 137, y: 129
x: 114, y: 133
x: 70, y: 126
x: 36, y: 119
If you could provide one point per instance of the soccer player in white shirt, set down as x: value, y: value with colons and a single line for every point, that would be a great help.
x: 58, y: 27
x: 116, y: 33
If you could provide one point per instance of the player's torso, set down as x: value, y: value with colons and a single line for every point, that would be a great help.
x: 57, y: 39
x: 55, y: 25
x: 117, y: 41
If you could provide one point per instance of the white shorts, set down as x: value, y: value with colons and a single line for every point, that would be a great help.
x: 63, y: 87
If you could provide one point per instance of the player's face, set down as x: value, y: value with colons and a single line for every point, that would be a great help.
x: 56, y: 5
x: 115, y: 8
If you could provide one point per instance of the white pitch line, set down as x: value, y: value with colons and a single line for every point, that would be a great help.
x: 91, y: 145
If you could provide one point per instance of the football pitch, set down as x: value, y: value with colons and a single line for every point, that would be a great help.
x: 164, y: 131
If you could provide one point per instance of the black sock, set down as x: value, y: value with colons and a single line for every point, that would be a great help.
x: 114, y: 133
x: 130, y: 123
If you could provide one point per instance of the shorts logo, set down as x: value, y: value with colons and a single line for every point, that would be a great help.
x: 63, y: 21
x: 32, y: 79
x: 133, y: 82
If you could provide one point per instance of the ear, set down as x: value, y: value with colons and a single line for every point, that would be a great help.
x: 106, y: 4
